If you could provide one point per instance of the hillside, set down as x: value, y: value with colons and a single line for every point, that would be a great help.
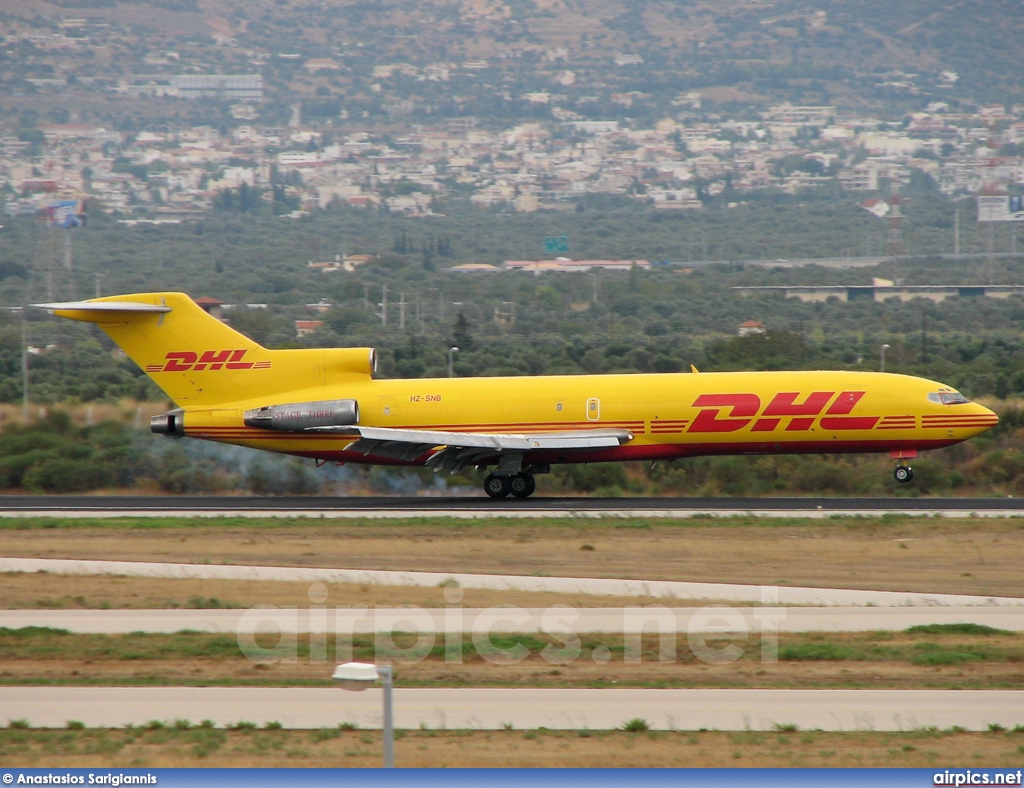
x: 398, y: 59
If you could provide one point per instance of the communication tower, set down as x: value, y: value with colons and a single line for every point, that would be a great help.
x: 895, y: 247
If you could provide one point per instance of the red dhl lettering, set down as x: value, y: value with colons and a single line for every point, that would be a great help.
x: 785, y: 404
x: 185, y: 360
x: 733, y: 412
x: 738, y: 404
x: 179, y: 361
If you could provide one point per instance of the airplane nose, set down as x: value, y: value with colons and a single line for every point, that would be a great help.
x: 983, y: 418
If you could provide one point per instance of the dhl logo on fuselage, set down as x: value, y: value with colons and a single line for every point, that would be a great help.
x: 744, y: 410
x: 186, y: 360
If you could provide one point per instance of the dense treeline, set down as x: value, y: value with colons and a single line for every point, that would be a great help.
x: 660, y: 320
x: 52, y: 455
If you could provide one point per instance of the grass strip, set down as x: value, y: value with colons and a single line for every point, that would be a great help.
x: 935, y: 659
x: 183, y: 743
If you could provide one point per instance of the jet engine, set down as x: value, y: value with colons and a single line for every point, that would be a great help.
x: 304, y: 415
x: 171, y: 424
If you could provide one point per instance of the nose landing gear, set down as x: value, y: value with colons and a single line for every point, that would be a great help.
x: 903, y: 473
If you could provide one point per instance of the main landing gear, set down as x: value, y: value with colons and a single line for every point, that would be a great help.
x: 520, y: 485
x: 903, y: 473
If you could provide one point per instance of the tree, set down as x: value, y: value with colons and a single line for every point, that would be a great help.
x: 461, y: 337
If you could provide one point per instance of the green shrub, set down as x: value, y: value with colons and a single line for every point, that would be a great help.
x: 955, y: 629
x: 934, y: 654
x: 816, y: 652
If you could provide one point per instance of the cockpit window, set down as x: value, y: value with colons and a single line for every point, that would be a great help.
x: 948, y: 397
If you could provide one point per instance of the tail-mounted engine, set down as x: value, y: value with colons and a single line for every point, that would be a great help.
x: 304, y: 415
x: 171, y: 424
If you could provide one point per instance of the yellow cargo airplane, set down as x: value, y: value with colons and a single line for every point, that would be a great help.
x: 325, y: 404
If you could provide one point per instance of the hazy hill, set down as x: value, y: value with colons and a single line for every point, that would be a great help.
x: 859, y: 54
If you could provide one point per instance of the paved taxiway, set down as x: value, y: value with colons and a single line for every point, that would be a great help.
x: 721, y: 709
x: 667, y: 589
x: 554, y: 620
x: 481, y: 506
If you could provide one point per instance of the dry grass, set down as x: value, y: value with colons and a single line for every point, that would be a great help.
x: 889, y: 553
x: 909, y: 660
x: 72, y: 592
x: 205, y: 747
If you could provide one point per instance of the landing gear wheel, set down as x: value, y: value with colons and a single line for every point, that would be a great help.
x: 903, y: 474
x: 497, y: 486
x: 523, y: 485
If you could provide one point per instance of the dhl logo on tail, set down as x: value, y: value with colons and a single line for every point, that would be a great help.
x: 186, y: 360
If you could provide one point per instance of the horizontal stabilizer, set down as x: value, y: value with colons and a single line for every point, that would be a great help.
x: 104, y: 306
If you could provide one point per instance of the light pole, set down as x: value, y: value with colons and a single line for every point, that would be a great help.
x: 881, y: 362
x: 451, y: 361
x: 357, y: 676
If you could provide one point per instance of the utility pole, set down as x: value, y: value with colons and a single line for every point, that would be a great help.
x: 384, y: 307
x: 68, y: 265
x: 366, y: 297
x: 24, y: 364
x: 401, y: 311
x: 426, y: 300
x: 896, y: 247
x: 991, y: 253
x: 924, y: 336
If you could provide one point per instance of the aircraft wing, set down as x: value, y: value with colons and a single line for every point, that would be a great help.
x: 459, y: 449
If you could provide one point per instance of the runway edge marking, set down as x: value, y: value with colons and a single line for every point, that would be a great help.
x: 526, y: 514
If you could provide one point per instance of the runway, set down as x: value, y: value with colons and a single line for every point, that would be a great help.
x: 483, y: 507
x: 599, y: 709
x: 668, y: 589
x: 557, y: 620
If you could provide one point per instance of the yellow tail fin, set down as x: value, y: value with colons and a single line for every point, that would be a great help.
x: 199, y: 361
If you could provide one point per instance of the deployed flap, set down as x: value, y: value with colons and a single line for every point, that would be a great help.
x: 580, y: 439
x: 464, y: 448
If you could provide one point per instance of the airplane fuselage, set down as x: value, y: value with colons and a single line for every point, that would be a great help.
x: 668, y: 415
